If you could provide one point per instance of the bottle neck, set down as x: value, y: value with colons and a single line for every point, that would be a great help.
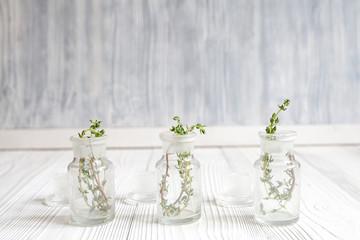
x: 277, y: 144
x: 177, y: 144
x: 278, y: 157
x: 89, y: 147
x: 185, y: 156
x: 178, y: 148
x: 277, y: 148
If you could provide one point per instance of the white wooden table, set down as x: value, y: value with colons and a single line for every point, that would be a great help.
x: 330, y: 197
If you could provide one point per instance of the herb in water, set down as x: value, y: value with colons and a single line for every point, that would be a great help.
x: 280, y: 191
x: 183, y: 163
x: 89, y: 175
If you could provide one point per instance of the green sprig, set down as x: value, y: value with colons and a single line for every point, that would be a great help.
x: 90, y: 182
x: 180, y: 130
x: 274, y: 120
x: 184, y: 168
x: 280, y: 191
x: 93, y: 130
x: 187, y: 191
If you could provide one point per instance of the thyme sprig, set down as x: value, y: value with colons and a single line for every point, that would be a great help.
x: 180, y: 130
x: 183, y: 165
x: 89, y: 175
x: 187, y: 191
x: 93, y: 130
x: 280, y: 191
x: 274, y: 120
x: 91, y: 178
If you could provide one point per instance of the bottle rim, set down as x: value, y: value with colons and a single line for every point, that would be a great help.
x: 171, y: 137
x: 279, y: 135
x: 86, y: 140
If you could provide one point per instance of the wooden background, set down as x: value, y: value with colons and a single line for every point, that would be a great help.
x: 139, y: 62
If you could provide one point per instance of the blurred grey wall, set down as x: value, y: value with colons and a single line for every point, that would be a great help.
x: 139, y: 62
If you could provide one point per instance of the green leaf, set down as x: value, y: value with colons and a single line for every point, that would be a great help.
x: 271, y: 129
x: 92, y: 129
x: 179, y: 129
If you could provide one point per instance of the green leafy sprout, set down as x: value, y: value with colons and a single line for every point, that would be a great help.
x: 90, y: 182
x: 274, y: 120
x: 93, y: 130
x: 180, y: 130
x: 184, y: 168
x: 280, y: 191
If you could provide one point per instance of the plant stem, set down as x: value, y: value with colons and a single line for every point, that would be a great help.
x: 170, y: 208
x: 97, y: 180
x: 80, y: 185
x: 97, y: 176
x: 272, y: 125
x: 182, y: 190
x: 96, y: 187
x: 165, y: 176
x: 267, y: 180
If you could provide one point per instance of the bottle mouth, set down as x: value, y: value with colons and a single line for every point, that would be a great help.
x: 171, y: 137
x: 86, y: 140
x: 282, y: 135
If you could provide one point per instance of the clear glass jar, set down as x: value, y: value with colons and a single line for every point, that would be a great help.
x: 178, y: 180
x: 91, y: 180
x: 277, y: 180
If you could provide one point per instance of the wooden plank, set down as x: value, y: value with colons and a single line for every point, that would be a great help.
x: 149, y: 137
x: 330, y: 206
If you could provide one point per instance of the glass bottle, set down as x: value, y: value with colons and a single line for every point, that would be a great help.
x: 91, y: 180
x: 277, y: 180
x: 178, y: 180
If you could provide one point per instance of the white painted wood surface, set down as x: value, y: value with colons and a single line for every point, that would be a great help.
x: 140, y: 62
x: 149, y: 137
x: 330, y: 199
